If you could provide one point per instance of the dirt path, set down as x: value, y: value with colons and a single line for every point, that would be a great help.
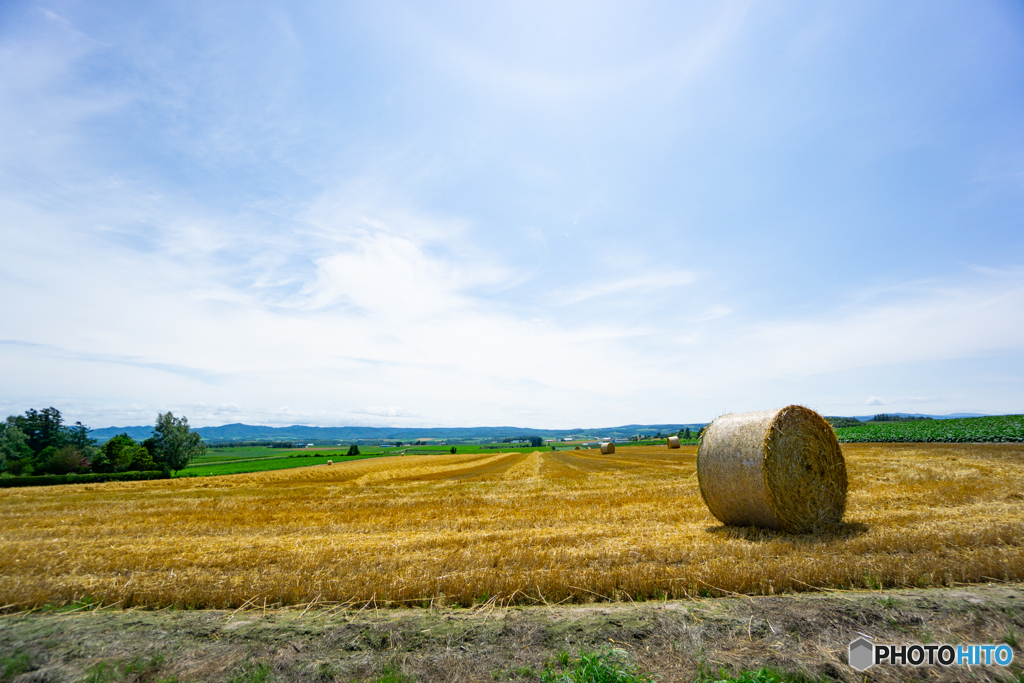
x: 806, y: 633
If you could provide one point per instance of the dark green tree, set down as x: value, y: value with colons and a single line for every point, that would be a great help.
x: 353, y: 450
x: 174, y: 444
x: 141, y: 460
x: 453, y: 449
x: 15, y: 454
x: 67, y: 459
x: 42, y: 428
x: 30, y: 443
x: 113, y: 458
x: 536, y: 441
x: 122, y: 454
x: 78, y: 436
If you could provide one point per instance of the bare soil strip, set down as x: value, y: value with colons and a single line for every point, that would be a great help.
x: 807, y: 634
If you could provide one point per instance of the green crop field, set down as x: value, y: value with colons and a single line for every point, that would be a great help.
x: 219, y: 455
x: 267, y: 464
x: 999, y: 428
x: 249, y: 459
x: 235, y: 454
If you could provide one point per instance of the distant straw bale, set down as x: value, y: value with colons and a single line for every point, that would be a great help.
x: 672, y: 442
x: 607, y: 447
x: 781, y: 469
x: 577, y: 448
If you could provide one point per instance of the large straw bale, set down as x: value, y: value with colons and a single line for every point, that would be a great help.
x: 672, y: 442
x: 780, y: 469
x: 607, y: 447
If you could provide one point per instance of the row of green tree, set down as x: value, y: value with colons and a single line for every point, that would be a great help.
x: 39, y: 442
x: 684, y: 433
x: 534, y: 441
x: 887, y: 417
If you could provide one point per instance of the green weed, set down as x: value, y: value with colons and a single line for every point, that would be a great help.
x: 326, y: 671
x: 251, y: 673
x: 393, y: 675
x: 137, y: 669
x: 763, y: 675
x: 144, y: 669
x: 872, y: 582
x: 101, y: 672
x: 82, y: 605
x: 609, y: 666
x: 14, y: 666
x: 523, y: 672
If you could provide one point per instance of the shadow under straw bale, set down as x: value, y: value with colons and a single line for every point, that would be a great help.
x: 843, y: 531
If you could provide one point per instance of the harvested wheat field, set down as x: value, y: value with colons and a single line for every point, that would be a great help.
x: 567, y: 526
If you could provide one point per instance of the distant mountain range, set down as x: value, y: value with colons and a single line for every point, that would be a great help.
x: 951, y: 416
x: 295, y: 433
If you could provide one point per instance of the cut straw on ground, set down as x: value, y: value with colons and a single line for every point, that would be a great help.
x: 573, y: 526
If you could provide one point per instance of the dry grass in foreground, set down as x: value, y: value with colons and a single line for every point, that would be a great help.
x: 509, y: 528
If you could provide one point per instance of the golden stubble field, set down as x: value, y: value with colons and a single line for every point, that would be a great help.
x: 507, y: 528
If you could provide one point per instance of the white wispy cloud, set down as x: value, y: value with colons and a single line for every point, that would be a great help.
x: 505, y: 215
x: 638, y: 285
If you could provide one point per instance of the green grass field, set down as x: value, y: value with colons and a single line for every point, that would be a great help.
x: 219, y: 461
x: 247, y: 459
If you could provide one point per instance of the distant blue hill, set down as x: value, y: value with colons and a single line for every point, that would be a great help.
x: 951, y: 416
x: 295, y: 433
x: 107, y: 433
x: 243, y: 432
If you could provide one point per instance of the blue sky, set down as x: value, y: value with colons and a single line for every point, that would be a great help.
x: 534, y: 214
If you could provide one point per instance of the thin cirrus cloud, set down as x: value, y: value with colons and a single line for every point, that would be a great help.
x: 636, y: 285
x: 931, y: 321
x: 498, y: 215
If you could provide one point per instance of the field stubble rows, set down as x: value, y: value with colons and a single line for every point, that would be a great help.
x: 508, y: 528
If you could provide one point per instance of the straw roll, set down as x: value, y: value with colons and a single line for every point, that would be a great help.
x: 780, y: 469
x: 672, y: 442
x: 607, y: 447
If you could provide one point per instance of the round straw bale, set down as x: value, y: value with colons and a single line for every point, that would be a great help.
x: 607, y: 447
x: 577, y: 448
x: 672, y: 442
x: 330, y: 462
x: 780, y: 469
